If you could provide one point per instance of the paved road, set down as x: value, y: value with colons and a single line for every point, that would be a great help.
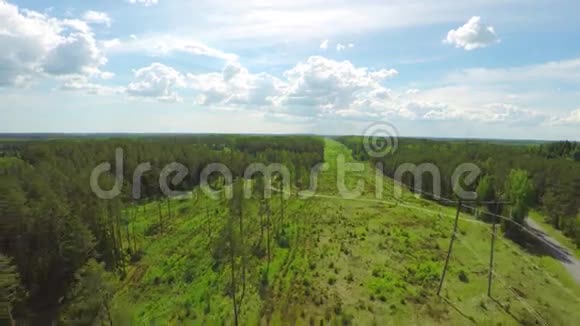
x: 557, y: 250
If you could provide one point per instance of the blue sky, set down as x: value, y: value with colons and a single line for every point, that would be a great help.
x: 474, y: 68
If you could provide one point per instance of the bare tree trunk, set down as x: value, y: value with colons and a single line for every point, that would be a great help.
x: 243, y: 251
x: 269, y: 231
x: 281, y: 223
x: 234, y: 285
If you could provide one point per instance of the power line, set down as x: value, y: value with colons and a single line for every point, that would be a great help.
x: 526, y: 305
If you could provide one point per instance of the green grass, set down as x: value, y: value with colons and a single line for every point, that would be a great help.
x: 363, y: 261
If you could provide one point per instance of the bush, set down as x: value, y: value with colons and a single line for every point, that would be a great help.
x: 463, y: 277
x: 331, y: 280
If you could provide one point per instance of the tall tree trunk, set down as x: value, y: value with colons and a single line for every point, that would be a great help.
x: 242, y: 250
x: 269, y: 231
x: 281, y: 223
x: 233, y: 274
x: 120, y: 238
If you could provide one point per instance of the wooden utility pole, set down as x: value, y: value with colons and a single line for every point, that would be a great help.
x: 493, y: 236
x: 490, y: 275
x: 450, y: 248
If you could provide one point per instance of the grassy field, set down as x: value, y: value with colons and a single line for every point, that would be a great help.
x: 342, y: 261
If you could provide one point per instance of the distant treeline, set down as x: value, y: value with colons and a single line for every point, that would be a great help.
x: 52, y: 225
x: 545, y: 176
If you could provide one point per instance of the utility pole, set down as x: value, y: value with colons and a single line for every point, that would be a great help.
x: 490, y: 275
x: 493, y: 236
x: 450, y: 248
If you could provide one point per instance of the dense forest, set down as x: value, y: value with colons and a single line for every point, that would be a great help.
x: 545, y: 176
x: 62, y: 247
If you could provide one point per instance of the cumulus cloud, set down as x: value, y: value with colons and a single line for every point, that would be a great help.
x: 76, y: 54
x: 97, y: 17
x: 235, y: 86
x: 145, y: 3
x: 473, y: 35
x: 159, y: 45
x: 157, y: 81
x: 324, y: 45
x: 315, y: 87
x: 326, y: 85
x: 34, y: 44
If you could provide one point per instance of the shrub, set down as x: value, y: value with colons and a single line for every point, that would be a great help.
x: 331, y: 280
x: 463, y: 277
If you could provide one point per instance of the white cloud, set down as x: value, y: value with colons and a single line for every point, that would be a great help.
x: 486, y: 113
x: 324, y: 45
x: 315, y: 87
x: 112, y: 43
x: 473, y: 35
x: 76, y: 54
x: 564, y: 70
x: 572, y: 118
x: 82, y: 84
x: 145, y: 3
x: 33, y: 43
x: 158, y: 45
x: 270, y: 21
x: 321, y: 86
x: 340, y: 47
x: 157, y: 81
x: 235, y: 86
x: 468, y: 103
x: 97, y: 17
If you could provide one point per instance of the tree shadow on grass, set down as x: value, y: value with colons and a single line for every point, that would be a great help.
x: 537, y: 243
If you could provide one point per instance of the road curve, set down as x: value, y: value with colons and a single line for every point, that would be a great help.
x: 557, y: 250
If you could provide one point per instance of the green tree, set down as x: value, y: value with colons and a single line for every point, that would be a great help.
x: 11, y: 291
x: 519, y: 191
x: 88, y: 300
